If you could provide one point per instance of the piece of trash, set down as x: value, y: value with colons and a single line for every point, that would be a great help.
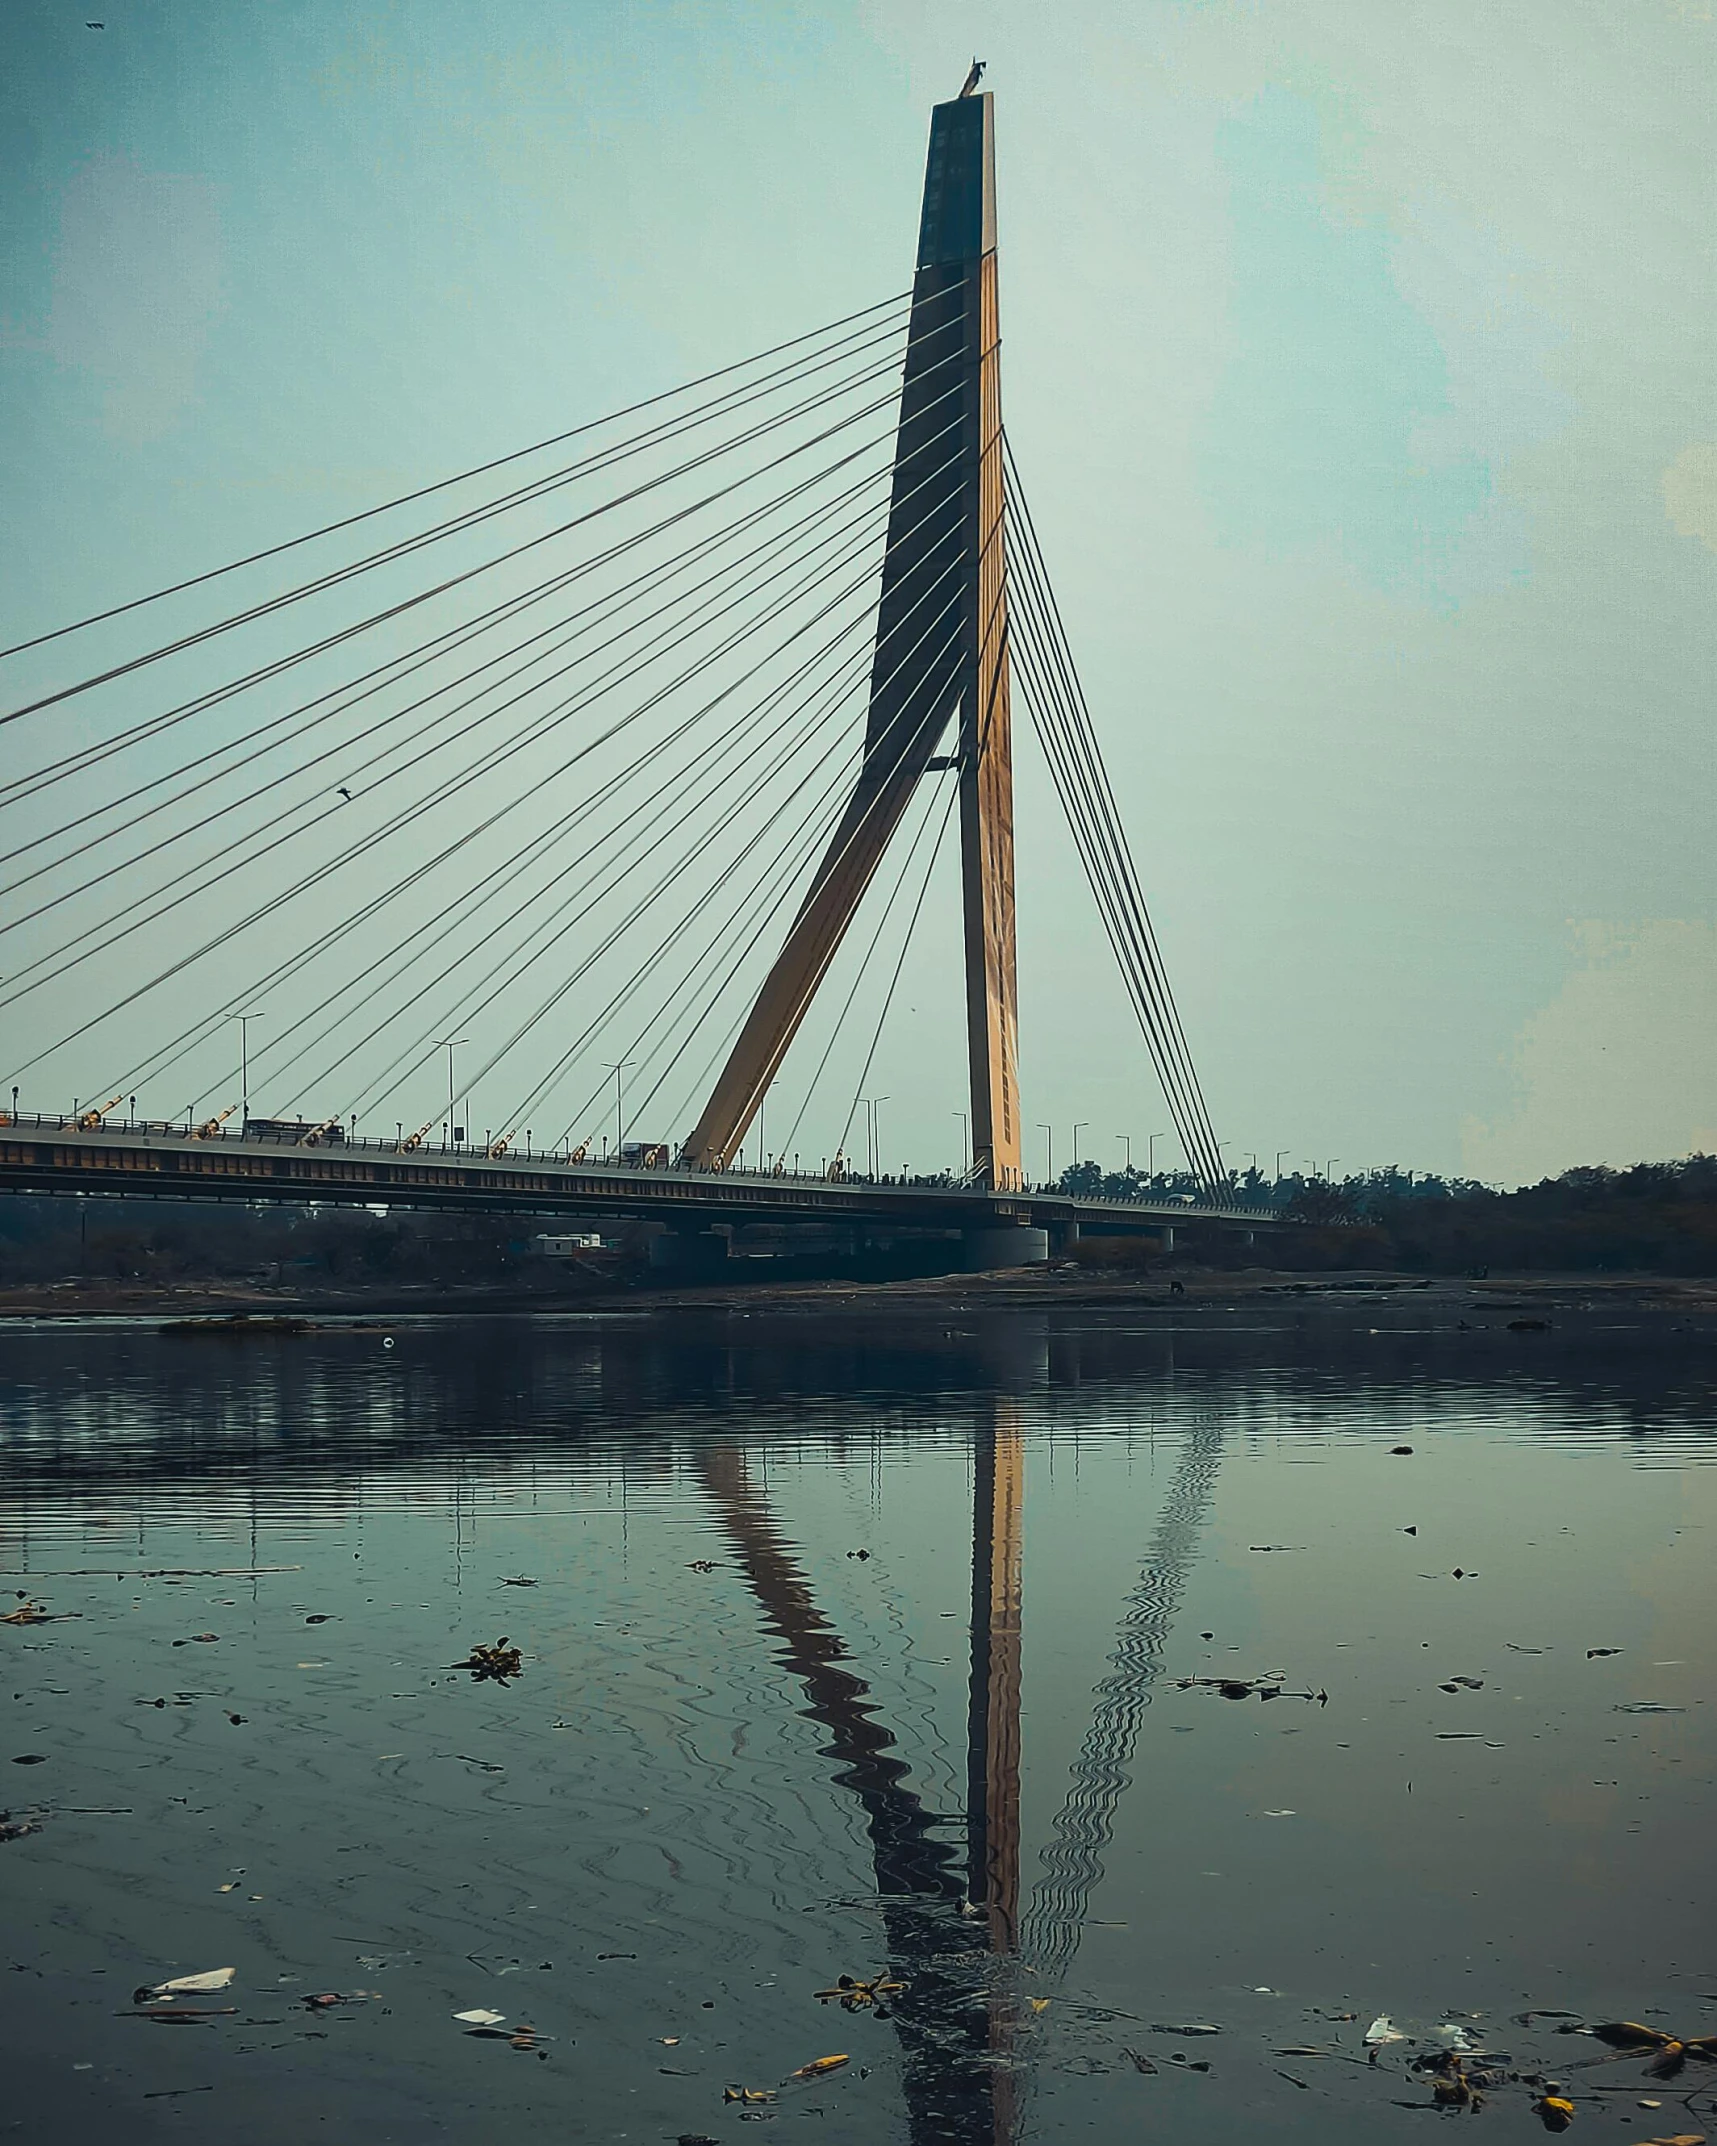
x: 696, y: 2138
x: 321, y: 1617
x: 498, y: 1662
x: 748, y: 2094
x: 1453, y: 2035
x: 238, y: 1720
x: 1529, y: 1326
x: 216, y: 1978
x: 1139, y: 2061
x: 854, y: 1994
x: 1301, y: 2050
x: 1466, y: 1683
x: 1628, y: 2034
x: 1191, y: 2027
x: 1553, y: 2109
x: 1281, y: 1814
x: 230, y: 1887
x: 519, y: 1581
x: 198, y: 1639
x: 1594, y: 1654
x: 1177, y: 2056
x: 818, y: 2066
x: 1676, y: 2138
x: 180, y: 2015
x: 669, y: 2041
x: 480, y: 2017
x: 16, y: 1828
x: 1515, y: 1649
x: 1381, y: 2031
x: 1040, y: 2004
x: 1647, y: 1706
x: 1525, y: 2019
x: 701, y: 1564
x: 31, y: 1758
x: 28, y: 1613
x: 1400, y: 1449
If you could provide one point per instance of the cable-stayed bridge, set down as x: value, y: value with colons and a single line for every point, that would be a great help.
x: 609, y: 781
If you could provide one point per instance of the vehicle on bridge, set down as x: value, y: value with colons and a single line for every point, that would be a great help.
x: 297, y: 1132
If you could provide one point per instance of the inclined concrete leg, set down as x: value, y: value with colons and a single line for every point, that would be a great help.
x: 1015, y: 1245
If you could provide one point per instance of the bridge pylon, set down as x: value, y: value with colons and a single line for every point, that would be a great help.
x: 941, y: 662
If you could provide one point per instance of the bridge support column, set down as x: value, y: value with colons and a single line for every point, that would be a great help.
x: 1063, y: 1237
x: 1014, y: 1244
x: 691, y: 1252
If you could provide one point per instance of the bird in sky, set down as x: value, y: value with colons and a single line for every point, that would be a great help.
x: 974, y: 78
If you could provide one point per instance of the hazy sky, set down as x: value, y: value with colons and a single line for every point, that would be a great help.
x: 1359, y: 359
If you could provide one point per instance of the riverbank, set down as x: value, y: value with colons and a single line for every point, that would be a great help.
x: 1364, y: 1303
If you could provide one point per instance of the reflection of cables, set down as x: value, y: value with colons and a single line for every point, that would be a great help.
x: 481, y: 469
x: 1073, y: 1862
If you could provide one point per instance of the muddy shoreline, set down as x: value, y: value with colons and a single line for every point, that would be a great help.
x: 1527, y: 1304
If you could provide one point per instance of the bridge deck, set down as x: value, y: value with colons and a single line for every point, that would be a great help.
x: 51, y: 1156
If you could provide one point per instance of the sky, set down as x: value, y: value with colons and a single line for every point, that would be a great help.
x: 1358, y: 362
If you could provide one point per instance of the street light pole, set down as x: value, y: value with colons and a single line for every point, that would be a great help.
x: 1152, y: 1156
x: 244, y: 1020
x: 1280, y: 1152
x: 450, y: 1044
x: 1080, y: 1125
x: 1126, y: 1140
x: 876, y: 1132
x: 965, y: 1135
x: 1050, y: 1131
x: 619, y: 1073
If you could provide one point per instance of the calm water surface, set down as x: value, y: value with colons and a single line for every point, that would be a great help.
x: 849, y: 1650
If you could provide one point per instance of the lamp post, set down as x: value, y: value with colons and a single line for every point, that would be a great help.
x: 1049, y: 1131
x: 619, y: 1072
x: 450, y: 1044
x: 1079, y: 1126
x: 244, y: 1020
x: 965, y: 1139
x: 1151, y: 1156
x: 1126, y: 1140
x: 1329, y: 1168
x: 1280, y: 1152
x: 876, y: 1104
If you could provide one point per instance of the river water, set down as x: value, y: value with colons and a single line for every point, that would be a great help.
x: 888, y: 1650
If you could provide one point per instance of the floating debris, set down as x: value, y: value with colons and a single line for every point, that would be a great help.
x: 215, y: 1978
x: 496, y: 1663
x: 818, y: 2066
x: 853, y: 1994
x: 1553, y: 2109
x: 748, y: 2095
x: 480, y: 2017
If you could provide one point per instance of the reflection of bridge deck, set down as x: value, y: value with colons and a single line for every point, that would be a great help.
x: 48, y: 1156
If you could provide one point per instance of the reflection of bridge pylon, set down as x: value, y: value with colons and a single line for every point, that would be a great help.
x: 941, y: 651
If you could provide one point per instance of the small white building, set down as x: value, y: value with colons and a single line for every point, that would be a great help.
x: 565, y: 1247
